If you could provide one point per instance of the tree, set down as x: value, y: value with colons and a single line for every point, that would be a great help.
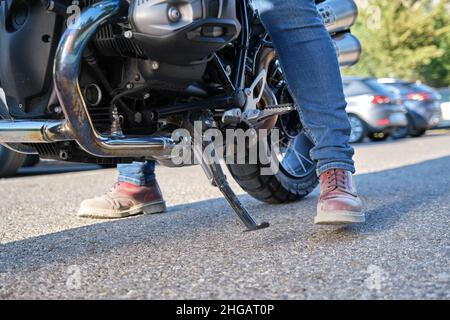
x: 409, y: 39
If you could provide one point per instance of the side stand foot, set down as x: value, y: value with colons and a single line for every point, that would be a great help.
x: 211, y: 166
x: 214, y: 170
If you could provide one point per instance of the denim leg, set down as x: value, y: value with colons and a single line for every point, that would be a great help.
x: 309, y: 62
x: 137, y: 173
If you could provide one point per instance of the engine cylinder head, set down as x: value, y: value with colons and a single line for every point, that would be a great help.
x: 183, y: 32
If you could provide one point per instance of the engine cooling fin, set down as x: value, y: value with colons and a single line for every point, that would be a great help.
x: 110, y: 42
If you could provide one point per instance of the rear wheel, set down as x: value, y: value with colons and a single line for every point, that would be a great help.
x: 359, y: 129
x: 417, y: 133
x: 403, y: 132
x: 296, y: 175
x: 295, y: 179
x: 10, y: 161
x: 400, y: 133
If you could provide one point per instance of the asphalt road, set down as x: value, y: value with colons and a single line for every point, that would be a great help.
x: 198, y: 250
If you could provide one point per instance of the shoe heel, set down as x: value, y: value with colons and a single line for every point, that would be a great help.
x: 155, y: 208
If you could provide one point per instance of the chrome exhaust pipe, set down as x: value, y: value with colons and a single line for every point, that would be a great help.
x: 338, y: 15
x: 348, y: 49
x: 29, y: 131
x: 15, y: 132
x: 78, y: 123
x: 4, y: 114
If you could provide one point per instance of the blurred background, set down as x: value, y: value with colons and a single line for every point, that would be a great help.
x: 404, y: 68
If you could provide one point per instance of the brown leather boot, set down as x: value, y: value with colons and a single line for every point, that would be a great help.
x: 338, y: 202
x: 124, y: 200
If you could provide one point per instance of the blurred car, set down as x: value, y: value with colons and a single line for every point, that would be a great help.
x: 422, y: 103
x: 11, y: 161
x: 373, y: 109
x: 445, y: 107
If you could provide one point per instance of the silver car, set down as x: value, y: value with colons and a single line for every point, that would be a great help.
x: 445, y: 107
x: 422, y: 103
x: 11, y: 161
x: 373, y: 109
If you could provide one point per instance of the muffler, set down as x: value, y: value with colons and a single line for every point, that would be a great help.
x: 338, y: 15
x: 348, y: 49
x: 13, y: 133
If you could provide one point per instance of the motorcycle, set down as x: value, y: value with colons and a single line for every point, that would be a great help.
x: 116, y: 81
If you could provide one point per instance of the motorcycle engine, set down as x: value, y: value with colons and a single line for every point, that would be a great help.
x: 183, y: 31
x: 172, y: 40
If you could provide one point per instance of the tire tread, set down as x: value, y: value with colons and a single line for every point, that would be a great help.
x: 267, y: 189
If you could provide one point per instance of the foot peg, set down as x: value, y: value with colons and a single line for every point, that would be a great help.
x: 252, y: 116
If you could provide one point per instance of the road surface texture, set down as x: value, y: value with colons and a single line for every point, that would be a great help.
x: 198, y: 250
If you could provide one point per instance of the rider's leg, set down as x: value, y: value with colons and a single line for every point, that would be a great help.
x: 137, y: 173
x: 136, y: 192
x: 309, y: 62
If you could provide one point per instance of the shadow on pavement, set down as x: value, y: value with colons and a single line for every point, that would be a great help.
x: 55, y: 167
x: 406, y: 188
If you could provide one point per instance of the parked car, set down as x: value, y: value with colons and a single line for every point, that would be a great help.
x: 373, y: 109
x: 445, y: 107
x: 422, y: 103
x: 11, y: 161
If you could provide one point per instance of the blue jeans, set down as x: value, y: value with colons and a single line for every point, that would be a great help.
x: 137, y: 173
x: 309, y: 62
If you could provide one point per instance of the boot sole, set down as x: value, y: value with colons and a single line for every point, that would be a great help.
x: 339, y: 217
x: 147, y: 208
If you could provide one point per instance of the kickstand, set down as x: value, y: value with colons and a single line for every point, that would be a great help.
x: 213, y: 170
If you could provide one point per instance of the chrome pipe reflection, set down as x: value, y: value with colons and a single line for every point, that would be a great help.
x: 29, y: 131
x: 348, y: 49
x: 338, y: 15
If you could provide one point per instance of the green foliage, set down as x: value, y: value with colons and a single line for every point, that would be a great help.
x: 409, y: 39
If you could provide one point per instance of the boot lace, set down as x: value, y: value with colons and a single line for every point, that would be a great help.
x: 336, y: 179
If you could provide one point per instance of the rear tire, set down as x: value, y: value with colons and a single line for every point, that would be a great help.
x: 417, y: 133
x: 403, y: 132
x: 400, y: 133
x: 296, y: 177
x: 274, y: 189
x: 359, y: 129
x: 10, y: 162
